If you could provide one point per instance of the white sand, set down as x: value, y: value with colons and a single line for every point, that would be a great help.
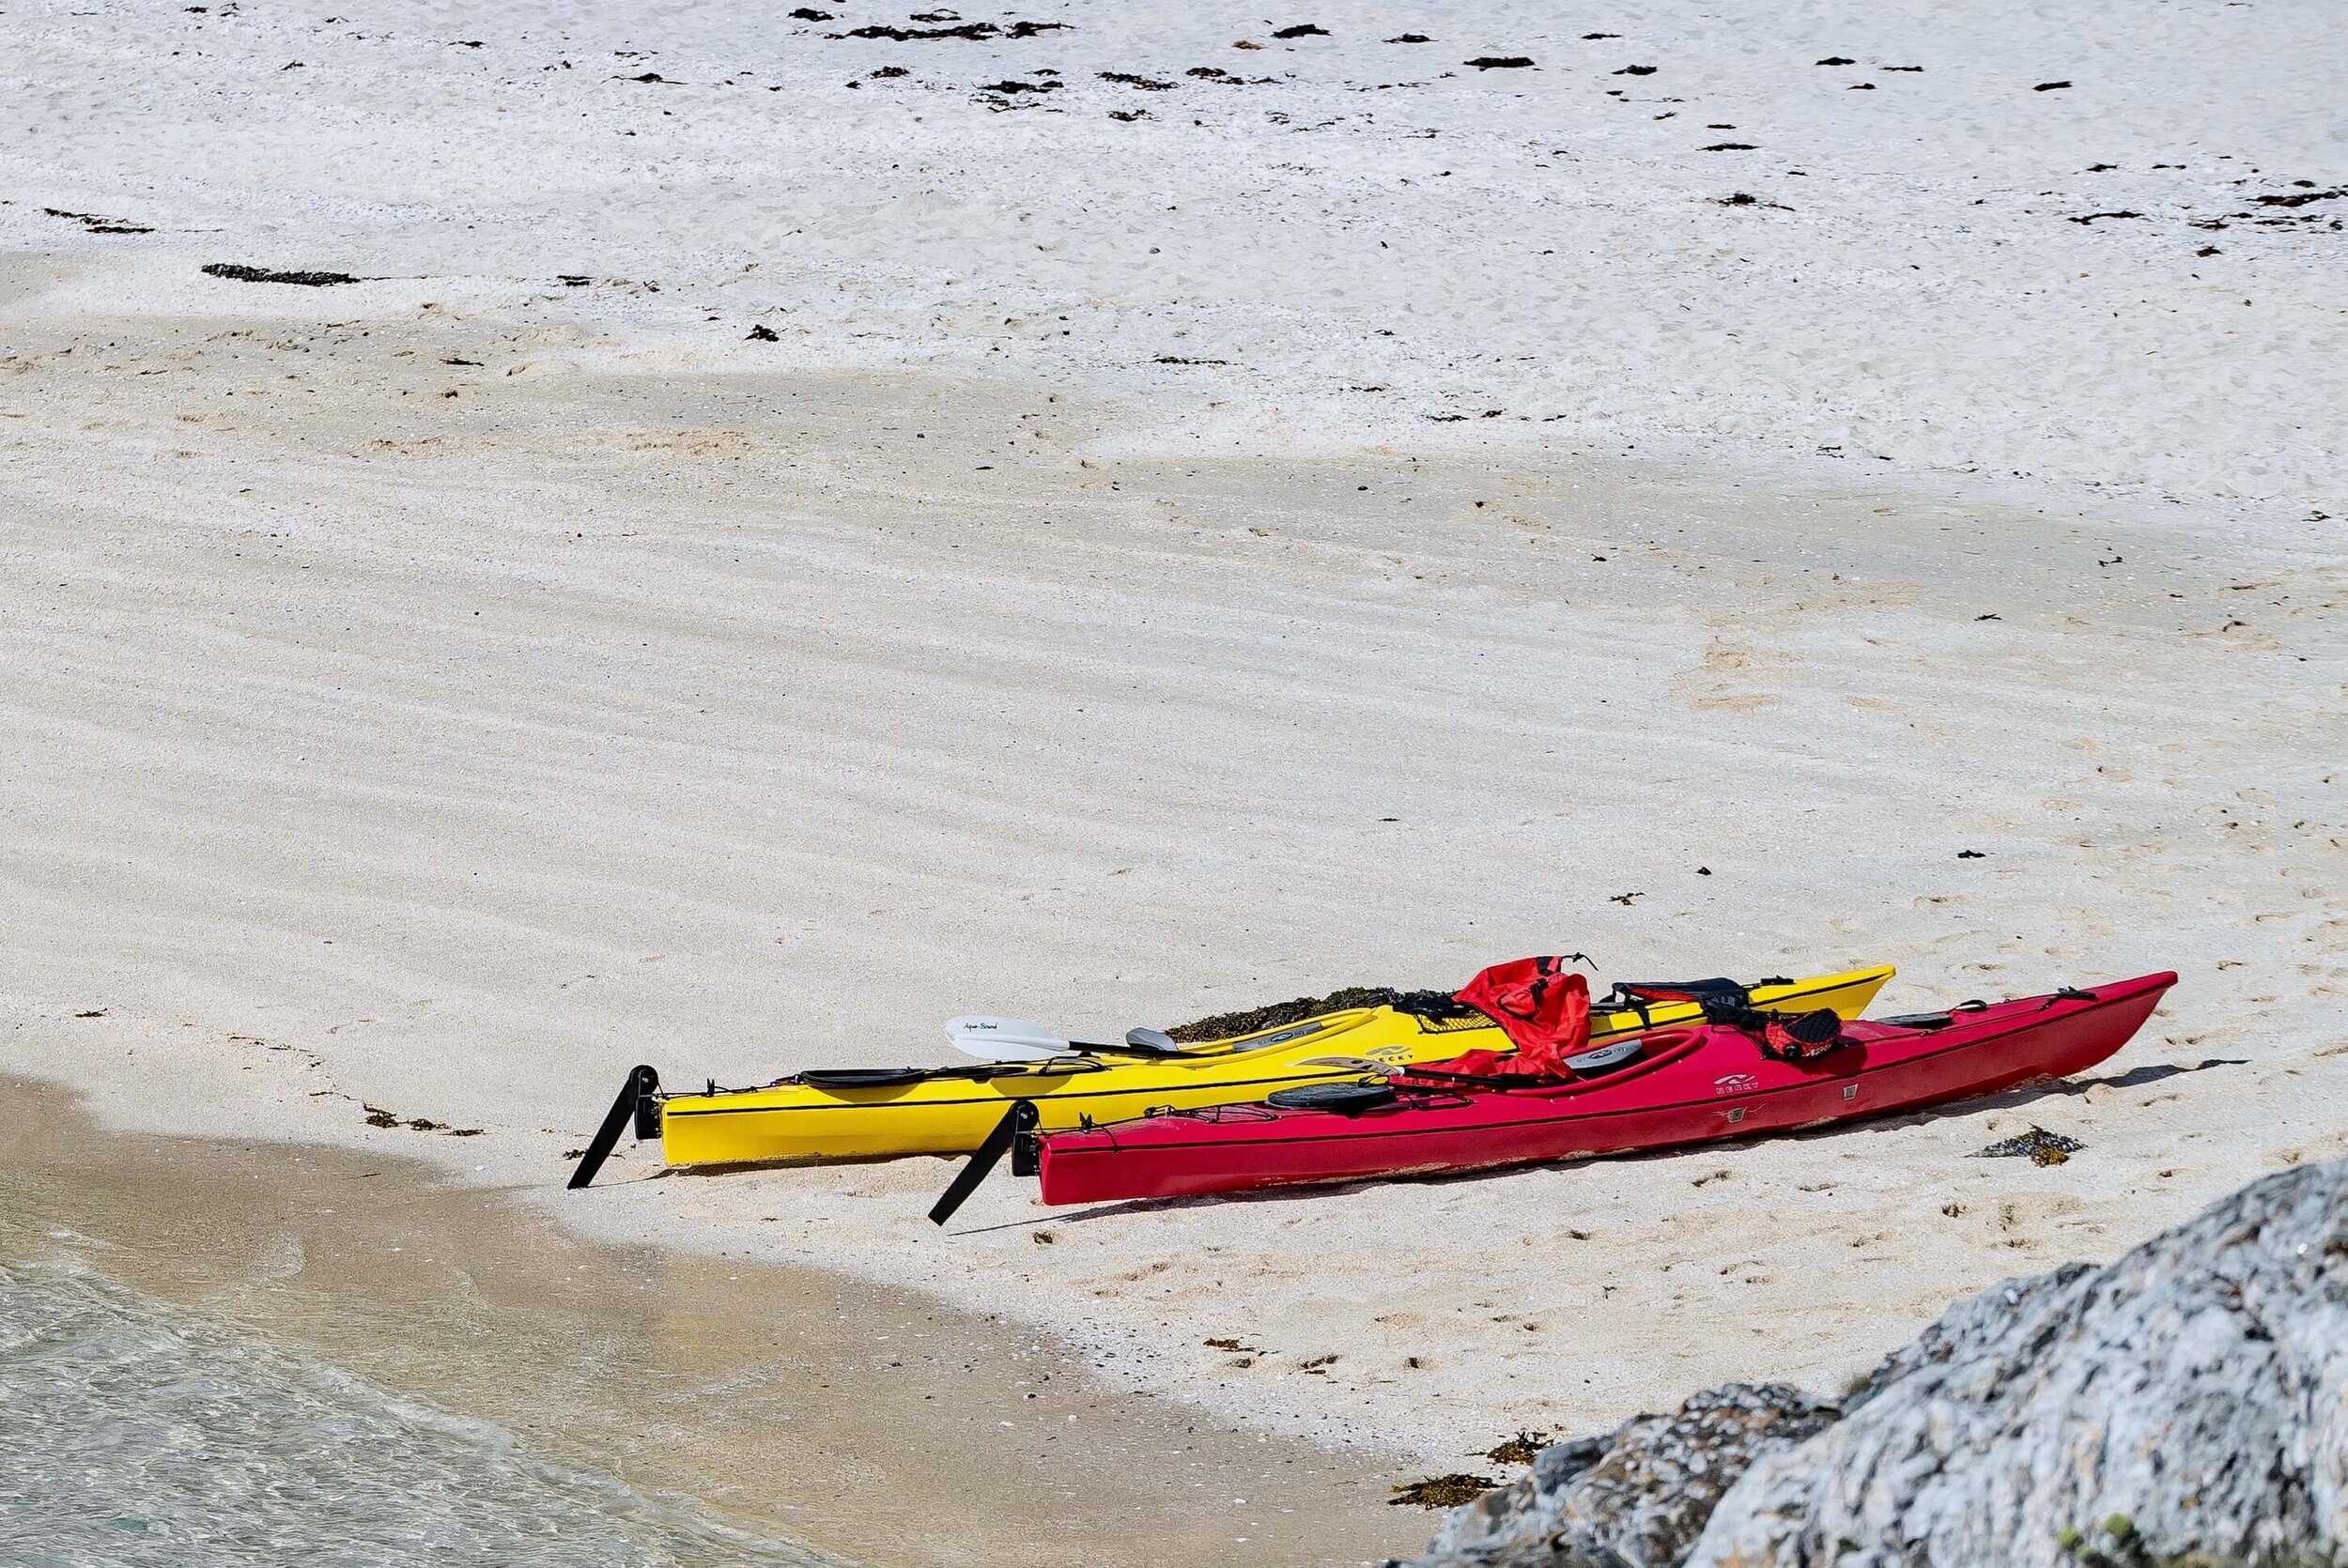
x: 736, y: 705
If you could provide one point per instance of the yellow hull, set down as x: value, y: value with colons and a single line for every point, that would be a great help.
x: 797, y: 1122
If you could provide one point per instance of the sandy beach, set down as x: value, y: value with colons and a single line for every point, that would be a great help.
x: 767, y: 553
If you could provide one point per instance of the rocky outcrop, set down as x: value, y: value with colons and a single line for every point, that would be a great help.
x: 1637, y: 1499
x: 2185, y: 1407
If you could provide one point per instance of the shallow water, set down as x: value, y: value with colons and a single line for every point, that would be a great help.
x: 133, y: 1432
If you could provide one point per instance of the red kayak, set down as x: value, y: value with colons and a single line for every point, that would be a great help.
x: 1684, y: 1086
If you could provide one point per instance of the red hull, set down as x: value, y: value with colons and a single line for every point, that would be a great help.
x: 1697, y: 1085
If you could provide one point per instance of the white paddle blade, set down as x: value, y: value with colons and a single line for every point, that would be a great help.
x: 1003, y: 1039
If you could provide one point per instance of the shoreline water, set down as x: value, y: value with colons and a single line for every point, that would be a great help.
x: 139, y: 1434
x: 862, y: 1421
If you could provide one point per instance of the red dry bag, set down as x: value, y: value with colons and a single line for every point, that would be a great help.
x: 1542, y: 1004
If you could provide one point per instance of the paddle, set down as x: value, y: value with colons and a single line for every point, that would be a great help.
x: 639, y: 1100
x: 1016, y: 1039
x: 1019, y: 1121
x: 1003, y: 1039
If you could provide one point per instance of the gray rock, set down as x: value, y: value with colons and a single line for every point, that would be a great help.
x: 2185, y: 1407
x: 2189, y: 1403
x: 1634, y: 1499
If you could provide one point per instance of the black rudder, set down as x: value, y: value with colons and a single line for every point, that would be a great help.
x: 639, y: 1103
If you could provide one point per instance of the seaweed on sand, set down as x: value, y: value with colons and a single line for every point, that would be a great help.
x: 238, y: 272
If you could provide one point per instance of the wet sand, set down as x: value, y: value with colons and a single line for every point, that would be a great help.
x: 865, y: 1420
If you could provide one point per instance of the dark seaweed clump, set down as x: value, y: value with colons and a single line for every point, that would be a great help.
x: 2296, y: 198
x: 1441, y: 1491
x: 238, y: 272
x: 1421, y: 1003
x: 1518, y: 1449
x: 2042, y: 1147
x: 97, y: 224
x: 378, y: 1116
x: 973, y: 30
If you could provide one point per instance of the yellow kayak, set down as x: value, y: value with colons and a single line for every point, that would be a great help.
x: 949, y: 1111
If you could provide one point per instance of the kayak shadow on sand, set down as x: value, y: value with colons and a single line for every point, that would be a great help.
x: 2135, y: 1078
x: 2010, y: 1099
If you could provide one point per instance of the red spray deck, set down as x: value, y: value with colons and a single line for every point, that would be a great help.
x: 1690, y: 1086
